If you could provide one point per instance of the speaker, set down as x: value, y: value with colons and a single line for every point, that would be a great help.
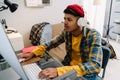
x: 81, y: 22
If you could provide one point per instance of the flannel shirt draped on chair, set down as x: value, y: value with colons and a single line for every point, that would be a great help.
x: 36, y: 32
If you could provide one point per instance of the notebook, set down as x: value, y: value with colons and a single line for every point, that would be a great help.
x: 28, y: 49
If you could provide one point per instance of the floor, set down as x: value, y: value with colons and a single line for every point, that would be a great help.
x: 113, y: 67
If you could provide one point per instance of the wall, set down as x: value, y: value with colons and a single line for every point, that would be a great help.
x: 100, y: 16
x: 23, y: 19
x: 95, y: 14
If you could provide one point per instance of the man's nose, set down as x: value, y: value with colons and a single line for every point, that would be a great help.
x: 65, y: 22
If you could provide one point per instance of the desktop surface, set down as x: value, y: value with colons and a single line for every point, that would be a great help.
x: 33, y: 60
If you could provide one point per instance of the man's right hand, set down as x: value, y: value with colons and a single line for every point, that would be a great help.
x: 27, y: 56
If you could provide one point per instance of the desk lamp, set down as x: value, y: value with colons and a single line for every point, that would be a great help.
x: 12, y: 7
x: 7, y: 4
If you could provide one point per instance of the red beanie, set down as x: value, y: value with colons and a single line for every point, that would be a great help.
x: 77, y: 8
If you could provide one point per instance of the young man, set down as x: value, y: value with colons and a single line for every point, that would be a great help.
x: 83, y: 47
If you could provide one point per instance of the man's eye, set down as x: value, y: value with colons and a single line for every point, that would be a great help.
x: 69, y: 20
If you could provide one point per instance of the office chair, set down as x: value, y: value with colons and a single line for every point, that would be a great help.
x: 106, y: 57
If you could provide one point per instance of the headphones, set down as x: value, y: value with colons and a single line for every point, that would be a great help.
x: 81, y: 22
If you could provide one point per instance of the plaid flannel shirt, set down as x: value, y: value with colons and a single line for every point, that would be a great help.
x: 90, y: 47
x: 36, y: 32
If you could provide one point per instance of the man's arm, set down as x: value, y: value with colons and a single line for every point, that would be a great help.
x: 55, y: 41
x: 94, y: 63
x: 47, y: 46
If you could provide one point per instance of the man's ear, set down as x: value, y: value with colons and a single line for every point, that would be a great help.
x: 82, y: 21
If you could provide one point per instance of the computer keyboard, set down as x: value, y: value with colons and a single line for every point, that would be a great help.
x: 32, y: 71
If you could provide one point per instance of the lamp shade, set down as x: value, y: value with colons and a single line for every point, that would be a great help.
x: 12, y: 6
x: 96, y: 2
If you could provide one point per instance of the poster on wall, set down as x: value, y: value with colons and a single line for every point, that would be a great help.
x: 33, y: 3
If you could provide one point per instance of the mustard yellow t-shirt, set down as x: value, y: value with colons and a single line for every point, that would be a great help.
x: 75, y: 56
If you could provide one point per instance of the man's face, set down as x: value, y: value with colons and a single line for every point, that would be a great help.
x: 70, y: 22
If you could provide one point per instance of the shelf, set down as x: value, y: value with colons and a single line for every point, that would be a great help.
x: 117, y: 21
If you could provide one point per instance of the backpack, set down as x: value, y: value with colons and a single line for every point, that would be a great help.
x: 107, y: 44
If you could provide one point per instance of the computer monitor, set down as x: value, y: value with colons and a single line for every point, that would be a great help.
x: 7, y: 51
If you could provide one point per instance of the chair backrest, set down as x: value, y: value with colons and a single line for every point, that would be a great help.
x: 106, y: 57
x: 112, y: 51
x: 58, y: 52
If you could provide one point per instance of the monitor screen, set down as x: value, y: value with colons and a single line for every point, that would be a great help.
x: 7, y: 51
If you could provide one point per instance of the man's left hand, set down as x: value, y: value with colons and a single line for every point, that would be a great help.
x: 48, y: 73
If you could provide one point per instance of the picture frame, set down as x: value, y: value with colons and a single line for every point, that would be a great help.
x: 34, y: 3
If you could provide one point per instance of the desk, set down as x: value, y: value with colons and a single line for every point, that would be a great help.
x: 45, y: 62
x: 33, y: 60
x: 52, y: 63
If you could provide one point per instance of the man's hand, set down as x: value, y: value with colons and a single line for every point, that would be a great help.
x: 48, y: 73
x: 27, y: 56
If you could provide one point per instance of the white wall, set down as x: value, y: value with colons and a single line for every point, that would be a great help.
x: 95, y: 14
x: 100, y: 16
x: 23, y: 19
